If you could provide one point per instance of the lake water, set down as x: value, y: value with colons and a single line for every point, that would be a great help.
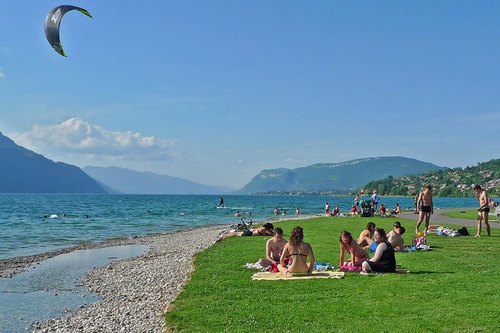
x: 27, y: 227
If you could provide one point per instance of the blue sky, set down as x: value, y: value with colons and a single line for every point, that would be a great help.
x: 216, y: 91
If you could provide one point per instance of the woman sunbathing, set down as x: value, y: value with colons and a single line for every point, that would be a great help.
x: 358, y: 255
x: 296, y: 252
x: 265, y: 230
x: 384, y: 259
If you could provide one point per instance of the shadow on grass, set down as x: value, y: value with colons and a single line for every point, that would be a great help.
x: 429, y: 272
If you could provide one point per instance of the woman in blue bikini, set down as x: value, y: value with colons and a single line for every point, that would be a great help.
x: 295, y: 253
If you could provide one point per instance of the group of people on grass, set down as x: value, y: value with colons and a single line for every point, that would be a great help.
x: 290, y: 257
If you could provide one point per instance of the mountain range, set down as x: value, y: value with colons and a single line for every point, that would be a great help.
x: 24, y: 171
x: 342, y: 177
x: 124, y: 180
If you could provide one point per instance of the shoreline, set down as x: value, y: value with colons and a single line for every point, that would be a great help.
x: 136, y: 291
x: 15, y: 265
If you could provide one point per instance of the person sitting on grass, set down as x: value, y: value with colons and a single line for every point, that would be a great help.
x: 347, y: 244
x: 265, y: 230
x: 274, y: 249
x: 396, y: 210
x: 384, y: 259
x: 366, y: 237
x: 296, y: 251
x: 354, y: 211
x: 394, y: 237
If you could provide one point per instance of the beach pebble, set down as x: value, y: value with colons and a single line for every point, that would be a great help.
x: 136, y: 291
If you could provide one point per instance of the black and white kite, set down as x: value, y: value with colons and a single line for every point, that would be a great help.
x: 52, y: 23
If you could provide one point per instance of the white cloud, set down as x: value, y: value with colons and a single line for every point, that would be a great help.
x: 2, y: 74
x: 76, y: 136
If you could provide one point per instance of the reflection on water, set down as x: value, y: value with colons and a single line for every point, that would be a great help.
x: 54, y: 286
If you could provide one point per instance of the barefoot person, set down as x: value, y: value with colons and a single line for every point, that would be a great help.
x: 347, y: 244
x: 296, y: 251
x: 274, y: 249
x: 425, y: 208
x: 483, y: 210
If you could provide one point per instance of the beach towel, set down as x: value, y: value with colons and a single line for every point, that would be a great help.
x: 322, y: 266
x: 349, y: 268
x: 314, y: 275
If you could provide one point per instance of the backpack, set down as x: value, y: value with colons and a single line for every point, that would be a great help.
x: 463, y: 231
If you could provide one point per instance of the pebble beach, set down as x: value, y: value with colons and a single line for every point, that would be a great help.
x: 137, y: 291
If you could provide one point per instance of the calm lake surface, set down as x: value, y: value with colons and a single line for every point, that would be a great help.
x: 34, y: 223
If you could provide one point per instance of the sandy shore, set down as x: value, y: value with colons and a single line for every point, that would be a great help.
x: 136, y: 291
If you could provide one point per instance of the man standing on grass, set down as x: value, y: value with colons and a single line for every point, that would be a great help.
x: 425, y: 208
x: 483, y: 210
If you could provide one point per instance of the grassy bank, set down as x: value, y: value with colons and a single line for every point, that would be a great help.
x: 450, y: 289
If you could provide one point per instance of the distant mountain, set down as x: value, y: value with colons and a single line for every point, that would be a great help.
x: 456, y: 182
x: 135, y: 182
x: 334, y: 177
x: 24, y: 171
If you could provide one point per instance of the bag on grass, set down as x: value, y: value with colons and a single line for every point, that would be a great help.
x: 463, y: 231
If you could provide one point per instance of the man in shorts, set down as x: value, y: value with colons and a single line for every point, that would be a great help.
x: 483, y: 210
x: 425, y: 208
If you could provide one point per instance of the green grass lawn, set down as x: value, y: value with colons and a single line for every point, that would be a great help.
x: 469, y: 214
x: 453, y: 288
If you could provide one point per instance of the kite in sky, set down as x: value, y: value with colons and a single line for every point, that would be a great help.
x: 53, y: 21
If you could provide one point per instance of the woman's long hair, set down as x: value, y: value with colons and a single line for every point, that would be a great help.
x: 346, y: 234
x: 296, y: 236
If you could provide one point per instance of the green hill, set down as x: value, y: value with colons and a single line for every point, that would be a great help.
x: 458, y: 182
x: 342, y: 177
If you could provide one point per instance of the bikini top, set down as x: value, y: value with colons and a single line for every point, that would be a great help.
x: 296, y: 254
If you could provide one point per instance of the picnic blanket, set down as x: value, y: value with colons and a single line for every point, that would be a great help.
x: 314, y: 275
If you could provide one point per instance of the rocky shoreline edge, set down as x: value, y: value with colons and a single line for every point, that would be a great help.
x: 137, y: 291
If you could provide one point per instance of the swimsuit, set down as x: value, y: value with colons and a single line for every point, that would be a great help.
x: 387, y: 262
x: 484, y: 209
x: 426, y: 209
x: 296, y: 254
